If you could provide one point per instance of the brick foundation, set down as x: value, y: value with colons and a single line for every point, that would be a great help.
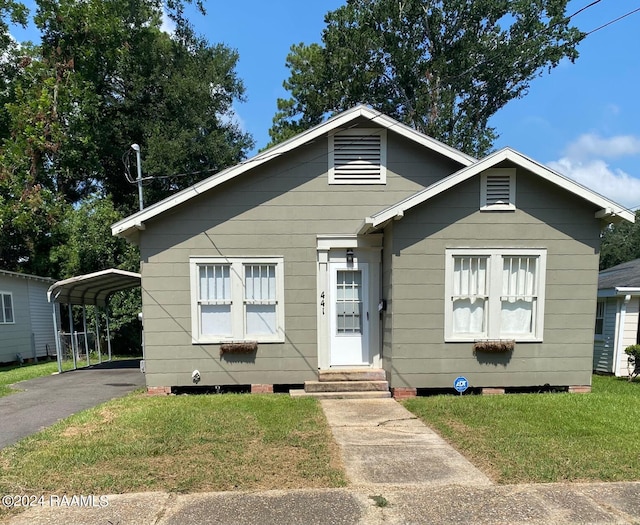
x: 158, y: 390
x: 492, y: 391
x: 400, y: 393
x: 579, y: 389
x: 262, y: 389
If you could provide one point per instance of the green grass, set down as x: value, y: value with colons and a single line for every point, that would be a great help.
x: 534, y: 438
x: 12, y: 374
x: 179, y: 444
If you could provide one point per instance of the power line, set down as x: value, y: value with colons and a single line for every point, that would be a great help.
x: 612, y: 22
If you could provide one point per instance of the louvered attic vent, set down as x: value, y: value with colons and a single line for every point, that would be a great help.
x: 498, y: 189
x: 357, y: 157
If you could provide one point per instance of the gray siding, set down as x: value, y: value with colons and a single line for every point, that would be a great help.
x: 41, y: 319
x: 16, y: 338
x: 33, y: 315
x: 277, y: 210
x: 546, y: 217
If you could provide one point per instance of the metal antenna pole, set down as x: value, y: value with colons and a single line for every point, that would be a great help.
x: 136, y: 148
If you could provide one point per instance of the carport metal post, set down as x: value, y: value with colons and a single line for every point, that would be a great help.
x: 73, y: 344
x: 86, y: 338
x: 106, y: 311
x: 55, y: 329
x: 96, y: 312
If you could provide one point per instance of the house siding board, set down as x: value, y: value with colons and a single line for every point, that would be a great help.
x: 565, y: 228
x: 41, y: 314
x: 276, y: 211
x: 33, y: 319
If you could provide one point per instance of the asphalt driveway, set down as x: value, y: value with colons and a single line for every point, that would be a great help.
x: 42, y: 401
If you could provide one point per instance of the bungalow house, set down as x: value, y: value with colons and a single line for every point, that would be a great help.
x: 26, y: 317
x: 617, y: 316
x: 364, y: 249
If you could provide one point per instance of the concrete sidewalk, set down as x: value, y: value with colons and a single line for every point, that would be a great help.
x: 382, y: 443
x: 400, y: 473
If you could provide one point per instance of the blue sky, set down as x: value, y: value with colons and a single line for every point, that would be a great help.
x: 582, y: 120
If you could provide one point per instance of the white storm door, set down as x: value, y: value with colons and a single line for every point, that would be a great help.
x: 349, y: 311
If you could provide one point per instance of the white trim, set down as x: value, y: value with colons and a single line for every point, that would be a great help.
x: 332, y: 248
x: 13, y: 308
x: 613, y: 210
x: 238, y: 302
x: 127, y: 226
x: 511, y: 197
x: 494, y: 292
x: 619, y: 346
x: 7, y: 273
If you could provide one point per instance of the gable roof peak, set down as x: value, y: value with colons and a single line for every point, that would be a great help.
x: 609, y: 210
x: 129, y: 225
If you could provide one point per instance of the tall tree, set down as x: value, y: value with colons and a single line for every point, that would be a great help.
x: 620, y: 243
x: 103, y: 77
x: 443, y: 67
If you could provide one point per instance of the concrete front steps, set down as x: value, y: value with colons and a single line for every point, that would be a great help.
x: 346, y: 384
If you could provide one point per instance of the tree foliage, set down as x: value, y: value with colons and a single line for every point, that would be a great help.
x: 105, y: 76
x: 443, y: 67
x: 620, y: 243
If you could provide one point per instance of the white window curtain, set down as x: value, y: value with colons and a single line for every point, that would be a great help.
x: 215, y: 299
x: 469, y: 295
x: 260, y: 299
x: 519, y: 295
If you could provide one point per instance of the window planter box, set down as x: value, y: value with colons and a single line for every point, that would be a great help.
x: 494, y: 347
x: 239, y: 348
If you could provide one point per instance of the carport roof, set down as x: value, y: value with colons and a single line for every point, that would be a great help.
x: 93, y: 288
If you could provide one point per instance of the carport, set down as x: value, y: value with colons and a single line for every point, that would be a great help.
x: 92, y: 289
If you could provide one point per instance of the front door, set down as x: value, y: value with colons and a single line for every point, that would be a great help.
x: 349, y: 314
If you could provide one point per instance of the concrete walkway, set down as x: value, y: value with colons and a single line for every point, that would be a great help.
x: 400, y: 473
x: 382, y: 443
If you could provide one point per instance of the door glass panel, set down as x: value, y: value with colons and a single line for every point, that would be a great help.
x: 349, y: 302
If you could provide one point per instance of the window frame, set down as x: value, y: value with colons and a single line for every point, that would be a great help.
x: 494, y: 296
x: 596, y: 334
x: 511, y: 205
x: 238, y: 302
x: 3, y: 319
x: 382, y: 177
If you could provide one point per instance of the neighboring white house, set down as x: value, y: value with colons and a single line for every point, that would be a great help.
x: 617, y: 316
x: 26, y: 317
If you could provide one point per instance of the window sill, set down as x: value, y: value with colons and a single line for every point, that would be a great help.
x: 481, y: 339
x: 234, y: 341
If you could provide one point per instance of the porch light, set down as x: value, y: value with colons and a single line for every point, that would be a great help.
x: 349, y: 256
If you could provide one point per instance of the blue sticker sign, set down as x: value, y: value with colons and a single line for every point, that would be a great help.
x: 460, y: 384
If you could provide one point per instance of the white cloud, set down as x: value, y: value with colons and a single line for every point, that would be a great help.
x: 584, y: 161
x: 598, y: 176
x: 590, y: 145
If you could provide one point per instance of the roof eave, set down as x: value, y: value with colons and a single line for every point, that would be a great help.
x: 126, y: 227
x: 609, y: 210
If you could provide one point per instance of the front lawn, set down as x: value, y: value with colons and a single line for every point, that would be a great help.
x: 540, y: 438
x: 14, y: 373
x: 178, y: 443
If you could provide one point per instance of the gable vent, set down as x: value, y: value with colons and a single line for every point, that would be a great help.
x: 357, y: 157
x: 498, y: 189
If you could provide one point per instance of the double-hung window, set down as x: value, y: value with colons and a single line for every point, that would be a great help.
x: 494, y: 294
x: 6, y: 308
x: 237, y: 299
